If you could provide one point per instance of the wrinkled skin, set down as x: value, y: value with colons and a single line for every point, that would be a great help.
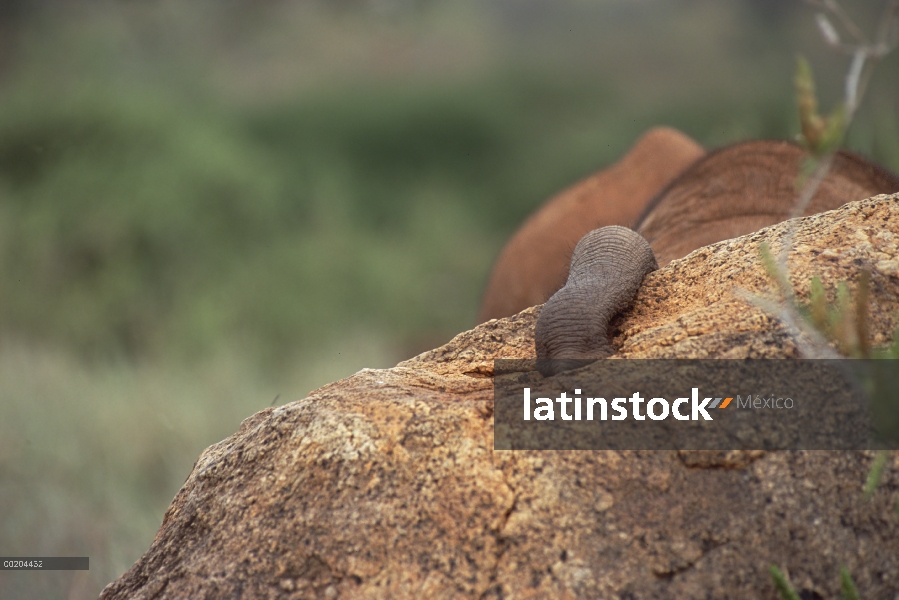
x: 607, y: 268
x: 534, y: 263
x: 731, y: 192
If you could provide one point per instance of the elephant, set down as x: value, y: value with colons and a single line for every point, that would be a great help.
x: 607, y: 268
x: 742, y: 188
x: 730, y: 192
x: 534, y: 263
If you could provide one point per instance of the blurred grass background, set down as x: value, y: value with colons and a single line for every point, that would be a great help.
x: 210, y: 207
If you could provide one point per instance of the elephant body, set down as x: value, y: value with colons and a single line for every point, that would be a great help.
x: 731, y: 192
x: 747, y: 186
x: 534, y: 263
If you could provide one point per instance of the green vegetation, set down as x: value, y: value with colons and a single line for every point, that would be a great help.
x: 843, y: 323
x: 146, y: 217
x: 783, y: 586
x: 788, y: 592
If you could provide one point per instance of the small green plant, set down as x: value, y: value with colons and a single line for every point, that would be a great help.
x: 875, y: 474
x: 787, y: 592
x: 783, y: 586
x: 844, y: 322
x: 820, y: 135
x: 847, y: 585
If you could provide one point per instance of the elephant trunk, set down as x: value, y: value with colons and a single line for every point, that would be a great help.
x: 607, y: 268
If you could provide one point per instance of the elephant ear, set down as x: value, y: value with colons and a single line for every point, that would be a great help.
x: 607, y: 268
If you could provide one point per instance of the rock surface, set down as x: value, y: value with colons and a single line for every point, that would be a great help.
x: 386, y: 484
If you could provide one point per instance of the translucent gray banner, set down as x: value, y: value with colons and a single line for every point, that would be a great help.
x: 697, y: 405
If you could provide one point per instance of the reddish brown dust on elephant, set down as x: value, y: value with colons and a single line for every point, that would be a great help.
x: 676, y: 197
x: 534, y: 263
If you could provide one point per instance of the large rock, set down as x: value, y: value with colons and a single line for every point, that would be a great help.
x: 386, y: 484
